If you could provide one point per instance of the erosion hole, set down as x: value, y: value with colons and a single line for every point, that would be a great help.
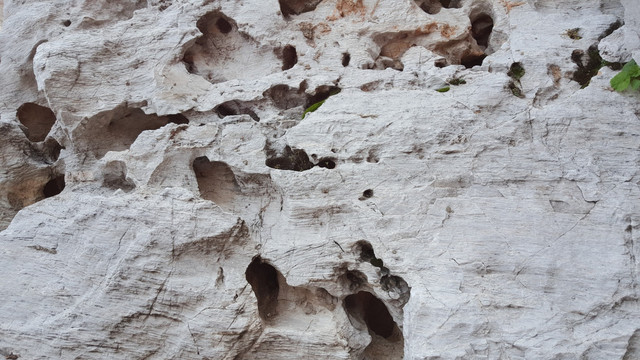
x: 346, y: 59
x: 235, y: 107
x: 352, y: 280
x: 285, y: 97
x: 66, y: 23
x: 472, y: 60
x: 52, y: 149
x: 37, y: 119
x: 178, y: 119
x: 322, y: 93
x: 288, y: 159
x: 263, y: 279
x: 327, y: 163
x: 289, y: 57
x: 297, y: 7
x: 54, y: 186
x: 216, y: 181
x: 367, y: 193
x: 115, y: 177
x: 368, y: 309
x: 223, y: 25
x: 481, y: 28
x: 365, y: 250
x: 434, y: 6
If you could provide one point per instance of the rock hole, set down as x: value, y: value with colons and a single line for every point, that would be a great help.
x: 327, y: 163
x: 115, y: 177
x: 285, y: 97
x: 481, y: 28
x: 52, y: 149
x: 37, y: 119
x: 54, y: 186
x: 472, y: 60
x: 398, y: 289
x: 367, y: 193
x: 235, y: 107
x: 263, y: 279
x: 289, y: 57
x: 223, y: 25
x: 66, y: 23
x: 288, y: 159
x: 440, y: 63
x: 178, y: 119
x: 216, y: 181
x: 117, y: 130
x: 322, y: 93
x: 588, y: 66
x: 297, y: 7
x: 352, y: 280
x: 346, y: 59
x: 368, y: 309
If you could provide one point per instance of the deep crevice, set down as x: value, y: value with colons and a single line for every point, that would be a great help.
x: 367, y: 308
x: 346, y: 59
x: 481, y: 28
x: 115, y: 177
x: 263, y: 279
x: 589, y: 65
x: 54, y: 186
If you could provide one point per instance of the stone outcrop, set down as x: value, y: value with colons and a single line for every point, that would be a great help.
x: 344, y: 179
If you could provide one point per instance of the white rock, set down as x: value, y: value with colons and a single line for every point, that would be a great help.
x: 496, y: 218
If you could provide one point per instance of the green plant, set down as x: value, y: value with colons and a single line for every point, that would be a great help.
x: 443, y: 89
x: 456, y: 81
x: 628, y: 76
x: 315, y: 106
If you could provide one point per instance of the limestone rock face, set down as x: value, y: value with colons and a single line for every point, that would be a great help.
x: 343, y: 179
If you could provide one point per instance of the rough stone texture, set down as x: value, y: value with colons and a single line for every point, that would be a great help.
x: 178, y: 206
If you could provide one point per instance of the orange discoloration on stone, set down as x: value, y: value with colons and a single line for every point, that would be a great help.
x: 447, y: 30
x: 509, y: 5
x: 348, y: 7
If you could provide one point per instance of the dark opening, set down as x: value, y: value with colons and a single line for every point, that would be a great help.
x: 263, y: 279
x: 223, y: 25
x: 327, y: 163
x: 288, y: 159
x: 367, y: 308
x: 289, y: 57
x: 449, y: 4
x: 365, y: 250
x: 322, y: 93
x: 37, y: 119
x: 472, y: 60
x: 66, y: 23
x: 352, y: 280
x: 178, y: 119
x: 440, y: 63
x: 115, y: 177
x: 481, y: 28
x: 296, y: 7
x: 54, y: 186
x: 589, y: 67
x: 346, y: 58
x: 52, y: 149
x: 367, y: 193
x: 216, y: 181
x: 516, y: 71
x: 234, y: 107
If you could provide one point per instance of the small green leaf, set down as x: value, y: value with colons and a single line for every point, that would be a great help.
x: 313, y: 108
x: 443, y: 89
x: 635, y: 84
x: 620, y: 82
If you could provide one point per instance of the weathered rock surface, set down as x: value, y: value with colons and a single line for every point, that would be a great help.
x: 162, y: 196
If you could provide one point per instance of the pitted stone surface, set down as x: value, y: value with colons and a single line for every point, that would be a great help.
x: 431, y: 203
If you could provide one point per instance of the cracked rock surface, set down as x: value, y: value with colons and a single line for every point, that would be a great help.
x: 344, y: 179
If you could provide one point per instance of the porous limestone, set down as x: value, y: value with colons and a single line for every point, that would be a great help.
x: 467, y: 187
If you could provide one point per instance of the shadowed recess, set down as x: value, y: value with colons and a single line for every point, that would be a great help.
x: 216, y: 181
x: 263, y: 279
x: 366, y: 308
x: 37, y: 119
x: 297, y: 7
x: 54, y: 186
